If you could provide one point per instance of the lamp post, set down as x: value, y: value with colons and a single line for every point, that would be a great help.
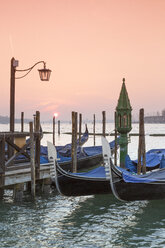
x: 44, y: 76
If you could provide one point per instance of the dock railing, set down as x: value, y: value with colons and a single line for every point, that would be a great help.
x: 9, y: 142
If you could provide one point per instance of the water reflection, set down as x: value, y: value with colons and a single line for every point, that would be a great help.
x: 95, y: 221
x: 101, y: 220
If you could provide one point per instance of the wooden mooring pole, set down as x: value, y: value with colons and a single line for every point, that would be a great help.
x: 104, y: 122
x: 141, y: 149
x: 22, y: 121
x: 34, y: 122
x: 2, y: 165
x: 32, y: 161
x: 54, y: 123
x: 74, y: 141
x: 37, y: 144
x: 94, y: 130
x: 80, y: 126
x: 58, y: 127
x: 115, y: 154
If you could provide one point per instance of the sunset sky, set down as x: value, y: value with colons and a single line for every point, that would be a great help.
x: 89, y: 45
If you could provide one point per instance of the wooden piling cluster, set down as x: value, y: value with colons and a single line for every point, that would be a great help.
x: 15, y: 172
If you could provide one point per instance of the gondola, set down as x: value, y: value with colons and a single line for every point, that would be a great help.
x: 130, y: 187
x: 87, y: 157
x: 93, y: 182
x: 109, y: 179
x: 155, y: 158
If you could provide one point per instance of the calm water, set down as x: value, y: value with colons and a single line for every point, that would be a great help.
x: 94, y: 222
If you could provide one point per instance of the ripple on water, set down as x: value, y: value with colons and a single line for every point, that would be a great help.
x: 95, y: 221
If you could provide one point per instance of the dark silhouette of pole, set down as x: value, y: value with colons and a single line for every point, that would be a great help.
x: 22, y: 121
x: 94, y: 125
x: 115, y: 155
x: 74, y: 142
x: 12, y: 94
x: 80, y: 125
x: 141, y: 149
x: 104, y: 122
x: 54, y: 123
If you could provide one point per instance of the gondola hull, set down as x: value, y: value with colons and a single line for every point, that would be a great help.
x: 75, y: 184
x: 131, y: 187
x: 79, y: 187
x: 83, y: 163
x: 140, y: 191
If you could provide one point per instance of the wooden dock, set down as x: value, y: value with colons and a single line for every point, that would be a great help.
x: 15, y: 172
x: 22, y: 174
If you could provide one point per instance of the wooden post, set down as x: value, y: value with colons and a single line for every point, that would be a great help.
x: 2, y: 154
x: 141, y: 149
x: 37, y: 145
x: 2, y: 165
x: 18, y: 192
x: 34, y: 120
x: 94, y: 131
x: 12, y: 103
x: 32, y: 161
x: 12, y: 94
x: 74, y: 142
x: 80, y: 125
x: 115, y: 154
x: 104, y: 122
x: 58, y: 127
x: 54, y: 130
x: 22, y: 121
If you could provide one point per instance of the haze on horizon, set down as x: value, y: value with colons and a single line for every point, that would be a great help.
x: 89, y: 45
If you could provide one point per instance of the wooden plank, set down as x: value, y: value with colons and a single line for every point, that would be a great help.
x: 24, y: 175
x: 23, y: 170
x: 20, y: 151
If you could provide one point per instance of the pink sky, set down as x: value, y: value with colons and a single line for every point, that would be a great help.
x: 89, y: 45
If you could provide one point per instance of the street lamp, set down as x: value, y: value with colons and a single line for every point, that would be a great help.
x: 44, y: 76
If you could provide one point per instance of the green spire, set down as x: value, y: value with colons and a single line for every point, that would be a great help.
x: 123, y: 121
x: 123, y: 102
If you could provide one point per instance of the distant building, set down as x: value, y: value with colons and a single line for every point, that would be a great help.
x: 155, y: 118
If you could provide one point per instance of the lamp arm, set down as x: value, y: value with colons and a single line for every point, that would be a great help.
x: 29, y: 69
